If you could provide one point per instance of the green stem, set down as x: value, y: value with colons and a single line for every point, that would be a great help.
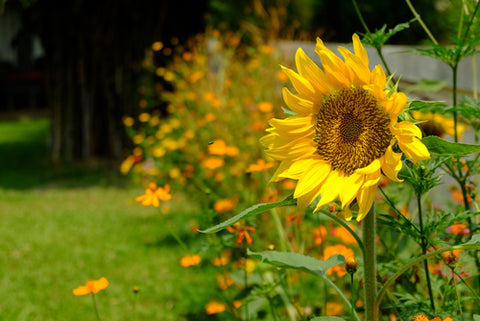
x: 419, y: 19
x: 345, y: 225
x: 95, y: 307
x: 424, y: 251
x: 380, y: 54
x: 359, y: 14
x: 177, y: 238
x: 270, y: 303
x: 456, y: 292
x: 455, y: 120
x: 340, y: 292
x: 369, y: 265
x: 352, y: 286
x: 415, y: 261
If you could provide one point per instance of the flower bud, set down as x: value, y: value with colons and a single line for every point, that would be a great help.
x: 351, y: 264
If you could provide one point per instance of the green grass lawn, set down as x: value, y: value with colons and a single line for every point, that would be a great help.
x: 63, y: 225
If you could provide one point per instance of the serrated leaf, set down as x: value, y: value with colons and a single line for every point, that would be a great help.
x: 329, y: 318
x: 251, y: 211
x: 298, y: 261
x: 440, y: 147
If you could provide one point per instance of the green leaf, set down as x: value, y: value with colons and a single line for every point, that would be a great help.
x: 298, y: 261
x: 475, y: 240
x: 427, y: 85
x: 329, y: 319
x: 251, y: 211
x: 476, y: 317
x: 440, y: 147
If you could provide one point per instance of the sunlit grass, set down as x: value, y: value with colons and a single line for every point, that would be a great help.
x: 57, y: 233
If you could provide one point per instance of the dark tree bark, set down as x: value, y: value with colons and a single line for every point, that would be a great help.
x: 93, y: 51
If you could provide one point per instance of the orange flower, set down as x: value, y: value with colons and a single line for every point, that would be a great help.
x: 92, y: 286
x: 422, y: 317
x: 224, y: 205
x: 242, y: 233
x: 153, y: 195
x: 190, y: 260
x: 215, y: 307
x: 213, y: 163
x: 319, y: 235
x: 334, y: 308
x: 265, y: 106
x: 344, y: 235
x: 259, y: 166
x: 224, y: 281
x: 218, y: 147
x: 337, y: 249
x: 222, y: 260
x: 460, y: 229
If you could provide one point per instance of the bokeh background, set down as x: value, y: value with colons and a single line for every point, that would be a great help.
x: 98, y: 99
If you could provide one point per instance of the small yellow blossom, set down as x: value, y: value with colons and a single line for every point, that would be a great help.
x: 215, y: 307
x: 153, y: 195
x: 190, y: 260
x: 92, y: 286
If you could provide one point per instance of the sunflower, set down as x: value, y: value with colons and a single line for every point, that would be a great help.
x: 343, y: 133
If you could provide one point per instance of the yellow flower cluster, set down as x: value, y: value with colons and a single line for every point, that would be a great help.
x: 204, y: 134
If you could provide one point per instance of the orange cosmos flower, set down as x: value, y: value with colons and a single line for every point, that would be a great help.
x: 259, y: 166
x: 215, y: 307
x: 213, y: 162
x: 422, y: 317
x: 224, y: 205
x: 92, y: 286
x: 242, y: 233
x: 219, y: 147
x: 319, y: 235
x: 224, y: 281
x: 190, y: 260
x: 337, y: 249
x: 265, y: 106
x: 153, y: 195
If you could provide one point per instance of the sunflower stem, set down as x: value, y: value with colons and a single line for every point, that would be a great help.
x: 384, y: 62
x: 424, y: 251
x: 369, y: 264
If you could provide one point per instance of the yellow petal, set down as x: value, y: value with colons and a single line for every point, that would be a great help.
x: 314, y: 175
x: 307, y: 199
x: 361, y: 71
x: 350, y: 189
x: 297, y: 104
x: 331, y: 187
x: 396, y: 104
x: 415, y: 149
x: 392, y: 164
x: 301, y: 85
x: 294, y: 124
x: 406, y: 131
x: 309, y: 70
x: 373, y: 167
x: 81, y: 290
x: 360, y: 50
x: 295, y: 169
x: 365, y: 200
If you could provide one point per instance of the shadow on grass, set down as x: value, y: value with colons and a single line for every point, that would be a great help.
x: 25, y: 161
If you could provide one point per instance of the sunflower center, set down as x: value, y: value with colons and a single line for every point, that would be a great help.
x: 352, y: 129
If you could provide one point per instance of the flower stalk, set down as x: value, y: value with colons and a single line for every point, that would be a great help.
x: 370, y: 264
